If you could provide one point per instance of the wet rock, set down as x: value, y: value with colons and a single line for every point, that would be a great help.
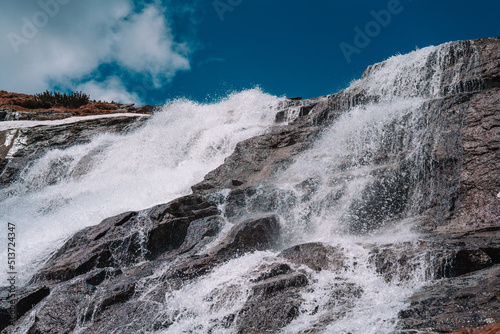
x: 316, y: 256
x: 20, y: 301
x: 469, y: 260
x: 110, y: 298
x: 273, y: 285
x: 250, y: 235
x: 20, y: 147
x: 454, y: 303
x: 401, y: 262
x: 270, y: 271
x: 274, y: 304
x: 172, y: 222
x: 295, y: 111
x: 127, y: 239
x: 491, y: 329
x: 57, y: 313
x: 101, y: 297
x: 342, y: 298
x: 110, y: 294
x: 488, y: 60
x: 4, y: 114
x: 280, y: 116
x: 381, y: 201
x: 259, y: 158
x: 444, y: 256
x: 200, y: 232
x: 119, y: 294
x: 247, y: 236
x: 98, y: 276
x: 480, y: 176
x: 251, y: 199
x: 132, y: 316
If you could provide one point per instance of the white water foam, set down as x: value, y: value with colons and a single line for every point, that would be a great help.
x: 320, y: 198
x: 67, y: 190
x: 429, y: 72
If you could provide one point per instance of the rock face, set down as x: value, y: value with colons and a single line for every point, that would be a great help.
x: 492, y: 329
x: 22, y: 146
x: 463, y: 141
x: 455, y: 303
x: 108, y: 260
x: 129, y: 273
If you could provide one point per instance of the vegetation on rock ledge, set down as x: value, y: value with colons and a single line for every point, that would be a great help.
x: 48, y: 99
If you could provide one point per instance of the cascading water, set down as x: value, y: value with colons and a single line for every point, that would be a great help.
x: 67, y: 190
x: 359, y: 186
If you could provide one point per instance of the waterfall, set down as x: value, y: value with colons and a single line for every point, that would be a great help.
x: 67, y: 190
x: 360, y: 187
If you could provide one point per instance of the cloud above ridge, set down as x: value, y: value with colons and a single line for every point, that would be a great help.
x: 74, y: 44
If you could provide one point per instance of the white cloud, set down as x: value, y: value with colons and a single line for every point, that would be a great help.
x: 145, y: 45
x: 112, y: 89
x: 59, y: 42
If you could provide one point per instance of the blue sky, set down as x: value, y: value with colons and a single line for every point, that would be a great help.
x: 154, y: 51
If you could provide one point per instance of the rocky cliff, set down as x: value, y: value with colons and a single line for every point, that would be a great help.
x: 24, y: 145
x: 432, y: 167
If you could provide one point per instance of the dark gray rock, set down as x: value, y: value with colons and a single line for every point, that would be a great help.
x: 247, y: 236
x: 443, y: 255
x: 316, y: 256
x: 274, y: 304
x: 488, y: 60
x: 250, y: 235
x: 20, y: 301
x: 128, y: 238
x: 60, y: 310
x: 25, y: 145
x: 454, y: 303
x: 469, y: 260
x: 258, y: 159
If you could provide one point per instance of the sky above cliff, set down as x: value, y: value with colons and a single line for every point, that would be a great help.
x: 154, y: 51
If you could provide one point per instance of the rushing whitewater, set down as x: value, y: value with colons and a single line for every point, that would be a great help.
x: 341, y: 192
x: 67, y: 190
x: 359, y: 186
